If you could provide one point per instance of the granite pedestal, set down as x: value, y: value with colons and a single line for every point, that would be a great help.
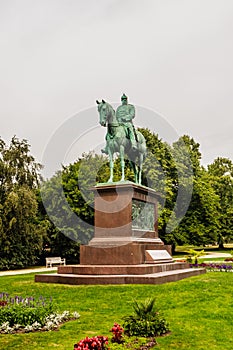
x: 125, y: 247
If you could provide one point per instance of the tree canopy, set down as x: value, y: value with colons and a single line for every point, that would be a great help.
x: 21, y: 235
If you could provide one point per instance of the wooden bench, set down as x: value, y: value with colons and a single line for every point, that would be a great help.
x: 55, y: 260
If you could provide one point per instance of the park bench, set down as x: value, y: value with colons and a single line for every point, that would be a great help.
x: 55, y: 260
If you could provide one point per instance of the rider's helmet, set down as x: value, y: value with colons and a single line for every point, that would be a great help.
x: 124, y: 97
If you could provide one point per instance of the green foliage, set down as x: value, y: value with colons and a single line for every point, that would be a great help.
x: 69, y: 205
x: 195, y: 254
x: 55, y: 242
x: 145, y: 321
x: 30, y: 314
x: 221, y: 180
x: 134, y: 343
x: 176, y: 169
x: 21, y: 235
x: 24, y: 312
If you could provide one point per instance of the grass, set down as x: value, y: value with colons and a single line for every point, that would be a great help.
x: 198, y: 309
x: 180, y: 250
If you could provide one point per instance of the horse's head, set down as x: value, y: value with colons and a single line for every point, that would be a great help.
x: 105, y: 111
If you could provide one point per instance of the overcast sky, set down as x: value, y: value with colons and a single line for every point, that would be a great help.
x: 174, y: 57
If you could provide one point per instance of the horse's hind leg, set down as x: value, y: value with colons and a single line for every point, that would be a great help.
x: 134, y: 168
x: 140, y: 168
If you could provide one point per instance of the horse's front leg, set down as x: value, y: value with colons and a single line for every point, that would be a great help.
x: 111, y: 164
x: 122, y: 153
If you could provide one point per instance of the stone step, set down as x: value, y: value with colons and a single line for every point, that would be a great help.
x: 139, y: 269
x: 152, y: 278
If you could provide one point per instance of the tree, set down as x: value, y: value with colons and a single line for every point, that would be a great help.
x: 200, y: 222
x: 169, y: 170
x: 189, y: 214
x: 221, y: 175
x: 67, y: 204
x: 21, y: 235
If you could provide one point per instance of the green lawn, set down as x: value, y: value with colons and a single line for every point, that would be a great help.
x: 198, y: 309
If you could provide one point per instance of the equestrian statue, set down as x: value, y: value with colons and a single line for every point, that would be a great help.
x: 122, y: 137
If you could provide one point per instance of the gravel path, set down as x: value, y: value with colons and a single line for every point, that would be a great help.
x: 24, y: 271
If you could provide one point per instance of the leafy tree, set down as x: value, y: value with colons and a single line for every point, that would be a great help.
x: 67, y: 204
x: 200, y: 223
x: 160, y: 173
x: 169, y: 170
x: 189, y: 214
x: 221, y: 175
x: 21, y: 235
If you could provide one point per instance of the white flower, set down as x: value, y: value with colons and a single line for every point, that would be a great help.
x: 51, y: 322
x: 28, y: 328
x: 5, y: 328
x: 36, y: 325
x: 17, y: 326
x: 76, y: 314
x: 49, y: 325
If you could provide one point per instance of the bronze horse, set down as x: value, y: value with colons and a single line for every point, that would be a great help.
x: 117, y: 141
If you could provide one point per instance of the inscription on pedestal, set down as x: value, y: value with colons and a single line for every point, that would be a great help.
x: 157, y: 256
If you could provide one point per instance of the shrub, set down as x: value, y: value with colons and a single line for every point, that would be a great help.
x: 95, y: 343
x: 117, y: 332
x: 24, y: 311
x: 194, y: 254
x: 29, y: 314
x: 145, y: 321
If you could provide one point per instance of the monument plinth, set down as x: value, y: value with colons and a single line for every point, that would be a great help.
x: 126, y: 226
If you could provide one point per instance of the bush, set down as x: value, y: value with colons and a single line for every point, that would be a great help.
x: 95, y: 343
x: 117, y: 332
x: 145, y: 322
x: 29, y: 314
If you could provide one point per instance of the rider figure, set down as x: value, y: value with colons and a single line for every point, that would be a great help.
x: 125, y: 114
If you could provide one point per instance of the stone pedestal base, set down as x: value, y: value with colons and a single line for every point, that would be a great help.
x: 128, y: 254
x: 126, y: 247
x: 120, y: 274
x: 125, y: 227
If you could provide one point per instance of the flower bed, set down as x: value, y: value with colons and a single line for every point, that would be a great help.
x: 95, y: 343
x: 118, y: 341
x: 18, y: 314
x: 139, y: 332
x: 216, y: 267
